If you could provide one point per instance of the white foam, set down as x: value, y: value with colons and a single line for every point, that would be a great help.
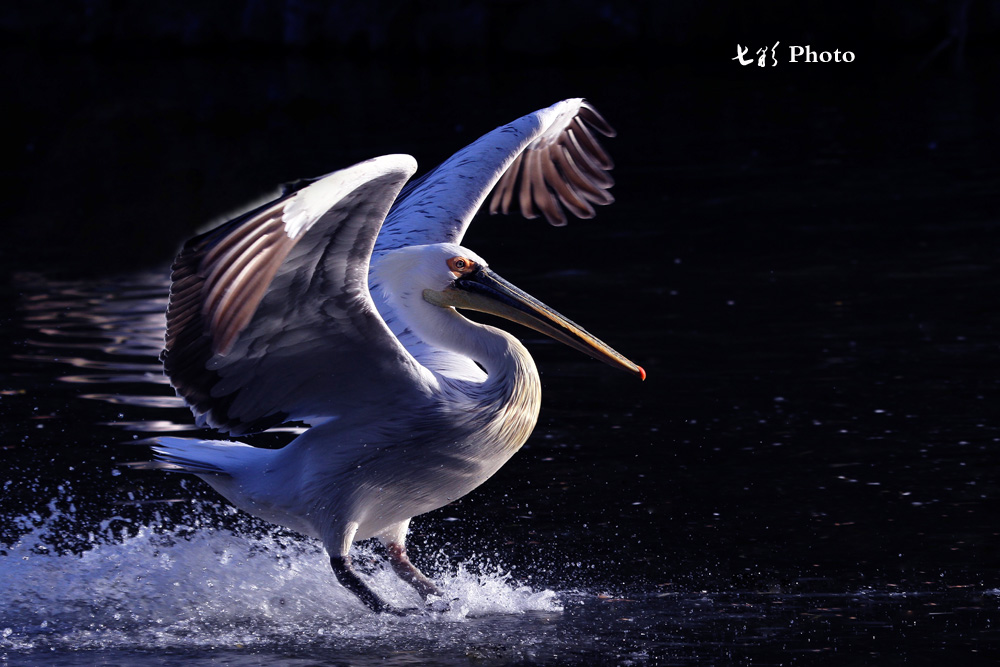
x: 219, y: 587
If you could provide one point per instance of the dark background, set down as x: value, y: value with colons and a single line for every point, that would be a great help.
x: 128, y: 124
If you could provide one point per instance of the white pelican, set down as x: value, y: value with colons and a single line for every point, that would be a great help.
x: 335, y: 305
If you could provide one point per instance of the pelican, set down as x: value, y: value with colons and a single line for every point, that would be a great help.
x: 336, y: 305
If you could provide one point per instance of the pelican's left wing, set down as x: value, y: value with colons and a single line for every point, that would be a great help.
x: 543, y: 163
x: 270, y: 318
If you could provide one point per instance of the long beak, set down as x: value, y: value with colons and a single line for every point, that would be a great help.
x: 487, y: 292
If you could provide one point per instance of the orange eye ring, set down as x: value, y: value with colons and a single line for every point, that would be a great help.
x: 461, y: 266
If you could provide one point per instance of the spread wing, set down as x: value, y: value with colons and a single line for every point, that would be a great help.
x: 270, y: 318
x: 544, y: 163
x: 541, y: 162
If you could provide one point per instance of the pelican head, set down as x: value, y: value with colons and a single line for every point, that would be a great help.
x: 448, y: 275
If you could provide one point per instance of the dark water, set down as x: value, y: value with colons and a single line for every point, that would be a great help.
x: 805, y: 266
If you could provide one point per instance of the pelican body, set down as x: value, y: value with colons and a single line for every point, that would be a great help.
x: 337, y: 305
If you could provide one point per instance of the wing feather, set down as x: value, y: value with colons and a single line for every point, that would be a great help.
x: 526, y: 197
x: 541, y: 194
x: 270, y: 318
x: 588, y: 165
x: 500, y: 202
x: 594, y: 149
x: 564, y: 186
x: 575, y: 178
x: 439, y: 206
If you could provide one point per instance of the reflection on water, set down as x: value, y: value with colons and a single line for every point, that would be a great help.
x: 113, y: 330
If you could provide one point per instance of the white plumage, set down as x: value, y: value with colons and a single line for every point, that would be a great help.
x: 336, y: 304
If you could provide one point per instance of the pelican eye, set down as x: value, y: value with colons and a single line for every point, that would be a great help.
x: 461, y: 266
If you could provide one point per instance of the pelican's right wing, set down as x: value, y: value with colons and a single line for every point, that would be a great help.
x: 543, y: 163
x: 270, y: 318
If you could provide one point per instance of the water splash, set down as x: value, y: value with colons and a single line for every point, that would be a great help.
x: 146, y: 587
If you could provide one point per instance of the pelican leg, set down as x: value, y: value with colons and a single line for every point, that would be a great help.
x: 350, y: 580
x: 394, y: 539
x: 340, y: 561
x: 408, y: 572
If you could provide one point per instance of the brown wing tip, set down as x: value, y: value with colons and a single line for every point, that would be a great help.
x: 596, y: 120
